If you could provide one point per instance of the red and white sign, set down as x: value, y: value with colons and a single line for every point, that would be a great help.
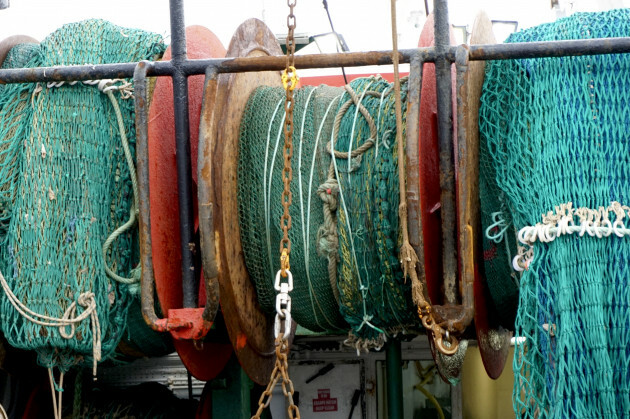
x: 323, y: 402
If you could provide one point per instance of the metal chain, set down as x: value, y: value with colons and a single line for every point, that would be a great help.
x: 281, y: 370
x: 289, y: 80
x: 283, y: 283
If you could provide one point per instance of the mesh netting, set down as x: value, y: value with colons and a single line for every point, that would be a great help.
x: 345, y: 232
x: 20, y: 55
x: 260, y: 186
x: 374, y: 296
x: 65, y: 187
x: 557, y: 131
x: 499, y: 243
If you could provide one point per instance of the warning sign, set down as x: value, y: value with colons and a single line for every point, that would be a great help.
x: 323, y: 402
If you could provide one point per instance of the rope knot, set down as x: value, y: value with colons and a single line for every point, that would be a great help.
x: 86, y: 299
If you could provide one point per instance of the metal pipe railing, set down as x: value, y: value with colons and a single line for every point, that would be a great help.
x: 444, y: 89
x: 347, y: 59
x: 190, y: 284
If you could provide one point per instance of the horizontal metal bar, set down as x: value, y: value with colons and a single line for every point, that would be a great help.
x: 345, y: 59
x: 80, y: 72
x: 223, y: 65
x: 549, y: 49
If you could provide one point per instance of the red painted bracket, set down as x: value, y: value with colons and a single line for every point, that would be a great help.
x: 185, y: 324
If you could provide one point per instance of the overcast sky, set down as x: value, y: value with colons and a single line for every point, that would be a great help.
x: 365, y: 24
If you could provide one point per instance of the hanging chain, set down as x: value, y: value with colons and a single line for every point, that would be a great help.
x: 283, y: 283
x: 289, y: 81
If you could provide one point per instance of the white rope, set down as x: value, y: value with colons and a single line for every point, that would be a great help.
x: 56, y: 391
x: 568, y: 220
x: 69, y: 318
x: 105, y: 85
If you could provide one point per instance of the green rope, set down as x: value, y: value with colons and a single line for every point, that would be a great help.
x: 556, y: 130
x: 345, y: 218
x: 133, y: 212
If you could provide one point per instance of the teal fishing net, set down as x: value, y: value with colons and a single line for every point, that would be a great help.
x: 65, y: 186
x: 345, y: 233
x: 557, y: 131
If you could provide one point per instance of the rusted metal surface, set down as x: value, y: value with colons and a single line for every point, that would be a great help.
x: 147, y: 289
x: 250, y: 329
x: 454, y: 317
x: 187, y: 324
x: 348, y: 59
x: 413, y: 164
x: 190, y: 286
x: 198, y: 66
x: 444, y: 82
x: 164, y: 184
x: 549, y: 49
x: 203, y: 359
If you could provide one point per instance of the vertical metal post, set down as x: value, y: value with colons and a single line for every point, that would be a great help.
x: 182, y: 141
x: 445, y: 139
x: 393, y: 360
x: 412, y: 156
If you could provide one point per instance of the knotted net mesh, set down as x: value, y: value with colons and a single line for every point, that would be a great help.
x: 557, y: 131
x: 259, y: 189
x: 65, y: 186
x: 345, y: 233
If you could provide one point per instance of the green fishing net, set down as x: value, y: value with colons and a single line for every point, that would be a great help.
x: 344, y: 232
x: 259, y: 191
x: 65, y: 186
x: 557, y: 130
x: 20, y: 55
x: 375, y: 298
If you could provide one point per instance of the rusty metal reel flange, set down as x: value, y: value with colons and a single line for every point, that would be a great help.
x: 204, y: 360
x: 251, y: 330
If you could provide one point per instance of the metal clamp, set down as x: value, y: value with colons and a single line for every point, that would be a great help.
x: 283, y: 303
